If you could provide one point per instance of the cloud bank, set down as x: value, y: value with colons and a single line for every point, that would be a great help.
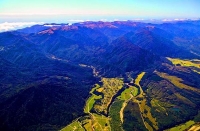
x: 8, y: 26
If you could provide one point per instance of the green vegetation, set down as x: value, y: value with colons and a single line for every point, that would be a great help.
x: 138, y: 97
x: 187, y: 63
x: 132, y: 118
x: 184, y: 99
x: 99, y: 103
x: 197, y: 117
x: 86, y: 123
x: 139, y: 77
x: 101, y: 123
x: 145, y: 110
x: 196, y: 71
x: 46, y: 78
x: 114, y: 113
x: 160, y: 106
x: 186, y: 126
x: 129, y: 93
x: 110, y: 87
x: 94, y: 121
x: 90, y: 102
x: 89, y: 123
x: 177, y: 107
x: 74, y: 126
x: 146, y: 114
x: 182, y: 127
x: 193, y: 64
x: 176, y: 81
x: 137, y: 82
x: 195, y: 127
x: 126, y: 94
x: 132, y: 110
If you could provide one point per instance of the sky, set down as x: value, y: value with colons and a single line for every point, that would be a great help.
x: 70, y: 11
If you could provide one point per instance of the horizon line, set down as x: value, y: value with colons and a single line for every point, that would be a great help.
x: 97, y: 15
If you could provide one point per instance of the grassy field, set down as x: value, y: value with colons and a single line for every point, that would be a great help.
x: 160, y: 105
x: 196, y: 71
x: 133, y: 93
x: 74, y: 126
x: 87, y: 124
x: 144, y: 108
x: 182, y: 127
x: 91, y: 100
x: 176, y: 81
x: 99, y: 89
x: 195, y: 127
x: 146, y: 113
x: 126, y: 94
x: 137, y: 82
x: 187, y: 63
x: 92, y: 122
x: 184, y: 99
x: 95, y: 121
x: 101, y: 123
x: 139, y: 77
x: 110, y: 87
x: 95, y: 87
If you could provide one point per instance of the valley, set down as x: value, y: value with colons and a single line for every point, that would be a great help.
x: 101, y: 76
x: 98, y: 120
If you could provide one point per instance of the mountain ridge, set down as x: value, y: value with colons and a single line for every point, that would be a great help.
x: 49, y: 73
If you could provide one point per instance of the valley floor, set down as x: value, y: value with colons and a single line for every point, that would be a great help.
x: 98, y: 117
x: 104, y: 109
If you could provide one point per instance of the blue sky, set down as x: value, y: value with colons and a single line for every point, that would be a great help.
x: 63, y: 10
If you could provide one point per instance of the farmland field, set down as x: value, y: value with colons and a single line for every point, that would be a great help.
x: 182, y: 127
x: 74, y: 126
x: 110, y: 87
x: 187, y: 63
x: 91, y: 100
x: 178, y: 82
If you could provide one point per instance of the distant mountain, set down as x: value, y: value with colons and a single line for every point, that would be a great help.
x: 155, y: 42
x: 185, y: 34
x: 49, y: 73
x: 33, y: 29
x: 39, y: 28
x: 128, y: 57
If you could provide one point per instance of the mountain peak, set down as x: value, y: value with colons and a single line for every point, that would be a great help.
x: 99, y: 24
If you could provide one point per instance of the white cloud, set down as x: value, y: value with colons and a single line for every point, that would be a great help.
x: 103, y: 20
x: 7, y: 26
x: 51, y: 25
x: 138, y: 19
x: 166, y: 20
x: 176, y: 19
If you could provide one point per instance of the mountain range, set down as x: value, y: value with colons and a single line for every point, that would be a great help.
x: 48, y: 73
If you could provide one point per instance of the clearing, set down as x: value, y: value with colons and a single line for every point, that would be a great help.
x: 182, y: 127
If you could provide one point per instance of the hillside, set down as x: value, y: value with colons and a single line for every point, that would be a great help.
x: 111, y: 76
